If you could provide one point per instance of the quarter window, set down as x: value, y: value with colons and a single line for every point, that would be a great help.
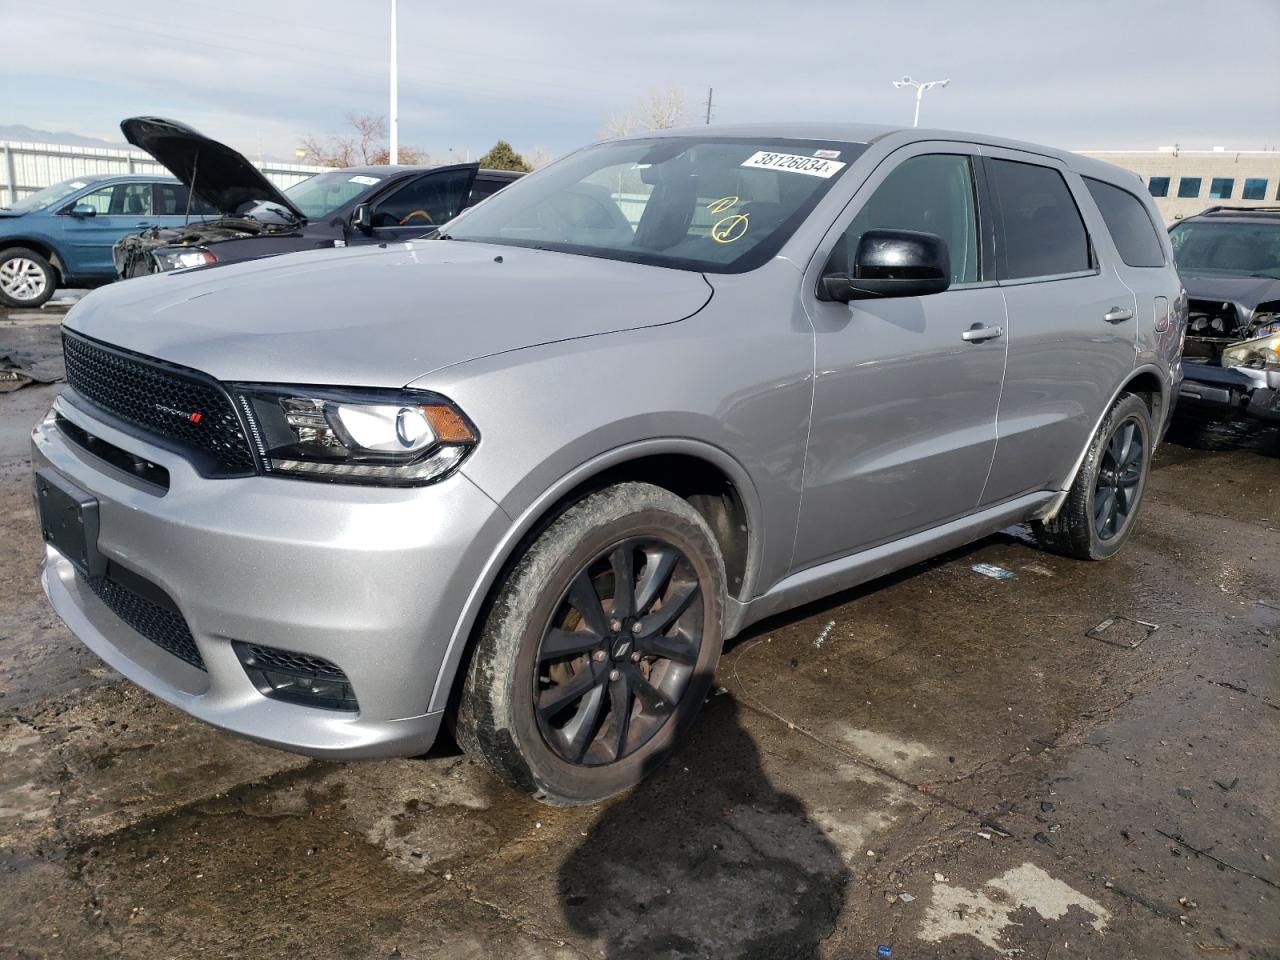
x: 1129, y: 224
x: 1042, y: 234
x: 1221, y: 188
x: 929, y: 194
x: 1158, y: 186
x: 1255, y: 188
x: 1189, y: 187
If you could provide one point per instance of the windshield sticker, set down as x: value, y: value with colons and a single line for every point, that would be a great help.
x: 366, y: 181
x: 827, y: 154
x: 723, y: 204
x: 78, y: 184
x: 729, y: 229
x: 792, y: 163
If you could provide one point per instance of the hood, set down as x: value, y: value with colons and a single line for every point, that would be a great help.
x: 212, y: 170
x: 374, y: 317
x: 1248, y: 292
x: 12, y: 213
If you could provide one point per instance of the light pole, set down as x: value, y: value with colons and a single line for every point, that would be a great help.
x: 393, y: 120
x: 908, y: 82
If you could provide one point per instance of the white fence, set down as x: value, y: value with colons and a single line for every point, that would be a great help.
x: 28, y: 167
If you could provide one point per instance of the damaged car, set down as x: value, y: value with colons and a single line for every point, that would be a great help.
x: 344, y: 207
x: 1229, y: 259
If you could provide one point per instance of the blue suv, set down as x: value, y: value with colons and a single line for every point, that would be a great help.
x: 62, y: 236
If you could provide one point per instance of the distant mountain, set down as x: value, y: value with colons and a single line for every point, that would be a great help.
x: 18, y: 131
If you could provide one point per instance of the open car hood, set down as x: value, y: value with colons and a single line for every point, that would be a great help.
x: 213, y: 171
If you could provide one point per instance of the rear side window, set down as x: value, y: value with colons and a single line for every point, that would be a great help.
x: 171, y: 201
x: 1129, y: 223
x: 1042, y: 234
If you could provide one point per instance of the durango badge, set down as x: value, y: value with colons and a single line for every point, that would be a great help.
x: 194, y: 416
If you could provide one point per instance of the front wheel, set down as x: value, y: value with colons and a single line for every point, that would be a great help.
x: 599, y: 648
x: 1102, y: 504
x: 26, y: 278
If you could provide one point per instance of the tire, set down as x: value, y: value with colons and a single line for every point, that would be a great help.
x: 27, y: 279
x: 1102, y: 505
x: 656, y: 653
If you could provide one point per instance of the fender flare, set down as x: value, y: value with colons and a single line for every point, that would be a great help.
x: 499, y: 557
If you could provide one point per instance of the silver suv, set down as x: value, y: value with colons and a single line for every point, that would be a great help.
x: 528, y: 475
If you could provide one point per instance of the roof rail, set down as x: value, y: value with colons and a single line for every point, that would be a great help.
x: 1229, y: 209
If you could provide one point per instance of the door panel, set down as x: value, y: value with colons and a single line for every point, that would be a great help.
x: 1065, y: 358
x: 903, y: 427
x: 121, y: 209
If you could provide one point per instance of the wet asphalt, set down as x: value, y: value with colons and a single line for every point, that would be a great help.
x: 938, y: 763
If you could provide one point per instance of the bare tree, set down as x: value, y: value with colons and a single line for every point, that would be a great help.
x: 659, y: 110
x: 363, y: 147
x: 537, y: 156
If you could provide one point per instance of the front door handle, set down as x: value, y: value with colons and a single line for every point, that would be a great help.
x: 977, y: 333
x: 1117, y: 315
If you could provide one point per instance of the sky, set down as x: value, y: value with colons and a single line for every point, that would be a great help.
x: 1079, y: 74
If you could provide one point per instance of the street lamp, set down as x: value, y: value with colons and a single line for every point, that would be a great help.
x: 920, y: 89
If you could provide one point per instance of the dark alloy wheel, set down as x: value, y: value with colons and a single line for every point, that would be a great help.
x: 1101, y: 506
x: 598, y: 648
x: 1119, y: 473
x: 616, y: 658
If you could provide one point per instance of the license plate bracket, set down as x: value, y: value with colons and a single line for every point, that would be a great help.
x: 69, y: 522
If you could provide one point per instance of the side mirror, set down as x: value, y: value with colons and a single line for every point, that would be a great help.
x: 362, y: 218
x: 83, y: 210
x: 892, y: 263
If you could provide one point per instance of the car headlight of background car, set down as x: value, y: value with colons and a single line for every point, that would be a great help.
x: 179, y: 258
x: 1259, y: 352
x: 390, y: 437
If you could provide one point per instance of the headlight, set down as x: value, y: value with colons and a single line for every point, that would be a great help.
x: 392, y: 437
x: 1261, y: 352
x: 180, y: 258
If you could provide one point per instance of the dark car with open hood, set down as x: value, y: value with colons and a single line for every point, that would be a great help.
x: 338, y: 208
x: 1229, y: 260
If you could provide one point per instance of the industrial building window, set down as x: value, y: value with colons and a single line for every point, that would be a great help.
x: 1189, y: 187
x: 1255, y: 188
x: 1159, y: 186
x: 1221, y: 188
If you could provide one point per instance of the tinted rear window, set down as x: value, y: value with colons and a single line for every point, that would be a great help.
x: 1042, y: 235
x: 1129, y: 224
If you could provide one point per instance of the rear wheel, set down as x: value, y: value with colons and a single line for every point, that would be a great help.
x: 598, y: 649
x: 1102, y: 504
x: 27, y: 279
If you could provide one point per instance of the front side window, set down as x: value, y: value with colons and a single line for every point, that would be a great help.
x: 1128, y: 223
x: 928, y: 194
x: 1189, y: 187
x: 1255, y: 188
x: 1158, y: 186
x: 120, y: 200
x: 1221, y: 188
x: 714, y: 204
x: 426, y: 201
x: 1042, y: 234
x: 101, y: 199
x: 1228, y: 249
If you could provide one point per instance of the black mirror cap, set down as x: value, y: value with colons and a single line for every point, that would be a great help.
x: 362, y: 217
x: 893, y: 263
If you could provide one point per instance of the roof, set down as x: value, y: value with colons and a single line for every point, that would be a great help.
x: 387, y: 169
x: 1221, y: 212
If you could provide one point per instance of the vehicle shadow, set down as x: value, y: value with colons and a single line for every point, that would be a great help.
x: 706, y: 858
x: 1199, y: 432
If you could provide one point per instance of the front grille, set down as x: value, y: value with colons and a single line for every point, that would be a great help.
x: 190, y: 412
x: 164, y: 627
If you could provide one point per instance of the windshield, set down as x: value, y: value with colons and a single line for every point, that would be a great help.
x: 48, y: 196
x: 324, y: 193
x: 719, y: 205
x: 1229, y: 249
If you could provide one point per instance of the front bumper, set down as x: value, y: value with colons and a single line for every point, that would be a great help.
x: 372, y: 579
x: 1238, y: 390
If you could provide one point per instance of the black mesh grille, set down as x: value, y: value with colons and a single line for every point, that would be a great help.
x: 165, y: 628
x: 193, y: 413
x: 296, y: 677
x: 273, y: 658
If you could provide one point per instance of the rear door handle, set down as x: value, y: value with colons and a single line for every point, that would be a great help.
x: 977, y: 333
x: 1117, y: 315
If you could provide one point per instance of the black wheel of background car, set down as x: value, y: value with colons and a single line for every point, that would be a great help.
x: 1102, y: 504
x: 598, y: 648
x: 27, y: 279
